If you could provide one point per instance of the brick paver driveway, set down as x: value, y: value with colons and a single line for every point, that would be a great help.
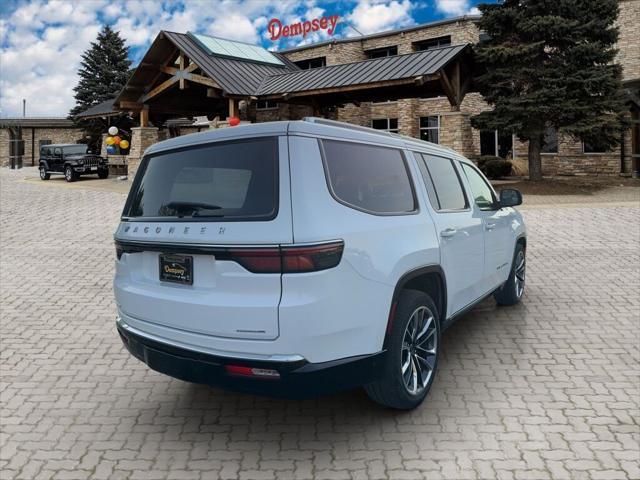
x: 547, y: 389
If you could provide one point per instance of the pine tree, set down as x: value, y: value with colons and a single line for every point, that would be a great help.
x: 103, y: 72
x: 550, y: 63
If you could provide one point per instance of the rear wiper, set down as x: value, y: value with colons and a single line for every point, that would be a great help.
x: 195, y: 206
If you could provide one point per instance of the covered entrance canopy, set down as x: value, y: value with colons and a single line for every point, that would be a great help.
x: 192, y: 75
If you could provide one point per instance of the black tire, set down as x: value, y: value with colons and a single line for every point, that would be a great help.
x: 103, y: 173
x: 392, y: 390
x: 513, y: 289
x: 44, y: 175
x: 69, y: 174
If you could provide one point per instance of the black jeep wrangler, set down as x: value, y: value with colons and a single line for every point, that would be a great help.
x: 71, y: 160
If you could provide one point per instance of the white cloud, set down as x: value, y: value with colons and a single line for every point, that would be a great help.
x: 456, y: 7
x: 370, y: 16
x: 41, y: 42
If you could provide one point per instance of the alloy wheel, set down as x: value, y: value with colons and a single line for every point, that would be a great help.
x: 419, y: 350
x: 520, y: 273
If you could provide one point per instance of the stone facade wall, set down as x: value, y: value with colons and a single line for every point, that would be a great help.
x: 629, y: 41
x: 141, y: 139
x: 462, y: 31
x: 56, y: 135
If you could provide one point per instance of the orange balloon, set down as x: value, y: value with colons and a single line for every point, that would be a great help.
x: 116, y: 140
x: 233, y: 121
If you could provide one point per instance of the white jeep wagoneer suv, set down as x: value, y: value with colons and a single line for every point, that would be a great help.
x: 296, y: 258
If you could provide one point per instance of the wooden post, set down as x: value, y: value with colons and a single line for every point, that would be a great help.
x: 144, y: 116
x: 182, y: 67
x: 233, y: 107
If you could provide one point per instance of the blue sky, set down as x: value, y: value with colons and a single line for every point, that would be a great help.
x: 41, y: 41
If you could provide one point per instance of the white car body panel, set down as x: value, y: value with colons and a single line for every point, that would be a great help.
x: 316, y: 316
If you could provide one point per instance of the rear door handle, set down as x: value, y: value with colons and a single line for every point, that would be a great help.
x: 490, y: 225
x: 448, y: 232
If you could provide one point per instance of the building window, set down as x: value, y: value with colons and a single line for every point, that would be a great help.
x: 430, y: 128
x: 382, y: 52
x: 495, y: 143
x: 550, y: 141
x: 432, y: 43
x: 266, y: 104
x: 386, y: 124
x: 42, y: 143
x: 594, y: 146
x: 312, y: 63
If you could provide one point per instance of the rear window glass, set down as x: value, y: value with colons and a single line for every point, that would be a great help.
x: 224, y: 181
x: 369, y: 178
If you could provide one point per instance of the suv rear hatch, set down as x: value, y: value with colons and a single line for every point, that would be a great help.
x: 196, y: 222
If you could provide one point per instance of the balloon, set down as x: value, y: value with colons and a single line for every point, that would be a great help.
x: 124, y: 144
x: 109, y: 141
x: 111, y: 149
x: 233, y: 121
x: 113, y: 130
x: 116, y: 140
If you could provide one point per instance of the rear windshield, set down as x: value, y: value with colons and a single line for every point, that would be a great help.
x: 217, y: 182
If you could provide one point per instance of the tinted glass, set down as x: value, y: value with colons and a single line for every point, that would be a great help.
x: 227, y: 181
x: 550, y: 143
x: 370, y: 178
x: 446, y: 183
x: 75, y: 149
x: 433, y: 198
x: 482, y: 193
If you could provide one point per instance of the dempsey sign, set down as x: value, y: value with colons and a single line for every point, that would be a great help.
x: 277, y: 30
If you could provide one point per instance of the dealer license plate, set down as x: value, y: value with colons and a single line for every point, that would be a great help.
x: 176, y: 268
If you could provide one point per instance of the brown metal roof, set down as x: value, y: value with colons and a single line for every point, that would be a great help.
x: 235, y: 76
x: 102, y: 109
x: 374, y: 70
x: 36, y: 122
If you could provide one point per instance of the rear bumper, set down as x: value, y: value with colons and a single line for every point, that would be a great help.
x: 299, y: 379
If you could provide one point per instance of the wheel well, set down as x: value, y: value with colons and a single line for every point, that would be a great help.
x: 522, y: 241
x: 432, y: 284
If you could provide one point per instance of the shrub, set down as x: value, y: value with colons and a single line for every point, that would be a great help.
x: 496, y: 168
x: 482, y: 161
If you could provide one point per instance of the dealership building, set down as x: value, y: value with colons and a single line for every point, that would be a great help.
x: 416, y: 81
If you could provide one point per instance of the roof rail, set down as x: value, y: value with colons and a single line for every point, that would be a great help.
x: 350, y: 126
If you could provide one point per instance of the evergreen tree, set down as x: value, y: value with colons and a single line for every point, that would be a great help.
x: 103, y: 72
x: 550, y: 63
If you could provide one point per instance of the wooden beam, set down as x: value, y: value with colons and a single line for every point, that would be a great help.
x: 159, y: 89
x: 126, y: 105
x: 448, y: 89
x: 144, y: 116
x: 193, y: 77
x: 175, y: 71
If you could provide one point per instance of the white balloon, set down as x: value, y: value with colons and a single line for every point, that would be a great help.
x: 113, y: 130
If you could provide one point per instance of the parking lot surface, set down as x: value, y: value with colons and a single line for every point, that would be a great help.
x: 549, y: 389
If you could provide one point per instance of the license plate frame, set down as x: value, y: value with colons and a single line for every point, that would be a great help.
x: 175, y: 268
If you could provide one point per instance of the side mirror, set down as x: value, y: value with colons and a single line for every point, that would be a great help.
x: 510, y: 197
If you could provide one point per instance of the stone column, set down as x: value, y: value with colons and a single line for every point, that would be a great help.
x: 408, y: 120
x: 455, y: 132
x: 103, y: 145
x: 141, y: 139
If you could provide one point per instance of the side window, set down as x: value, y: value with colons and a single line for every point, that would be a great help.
x: 446, y: 183
x: 57, y: 151
x: 369, y: 178
x: 431, y: 192
x: 482, y: 193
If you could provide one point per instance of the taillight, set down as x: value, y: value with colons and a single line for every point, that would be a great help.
x: 311, y: 258
x: 297, y: 259
x: 258, y: 260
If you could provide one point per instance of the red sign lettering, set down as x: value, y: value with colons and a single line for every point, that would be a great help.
x: 277, y: 30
